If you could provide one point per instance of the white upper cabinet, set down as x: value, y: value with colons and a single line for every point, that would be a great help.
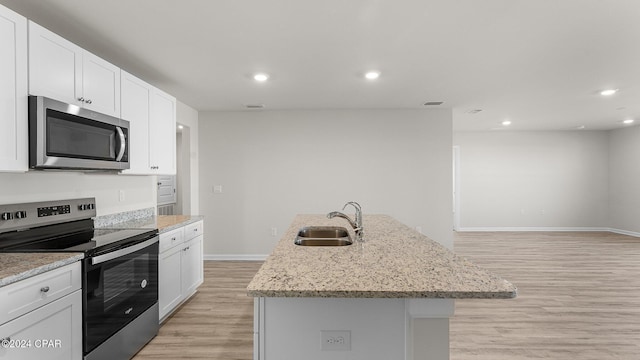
x: 152, y: 127
x: 162, y: 134
x: 64, y: 71
x: 136, y: 97
x: 13, y: 92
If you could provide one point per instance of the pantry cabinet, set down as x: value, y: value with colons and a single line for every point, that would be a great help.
x: 41, y: 317
x: 180, y: 269
x: 152, y: 119
x: 13, y: 92
x: 61, y: 70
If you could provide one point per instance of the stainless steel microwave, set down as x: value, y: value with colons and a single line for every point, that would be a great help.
x: 65, y: 136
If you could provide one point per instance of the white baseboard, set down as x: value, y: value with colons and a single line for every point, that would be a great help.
x: 525, y: 228
x: 236, y: 257
x: 547, y: 229
x: 625, y: 232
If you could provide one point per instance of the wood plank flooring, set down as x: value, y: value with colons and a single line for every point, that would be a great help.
x: 578, y: 298
x: 216, y: 323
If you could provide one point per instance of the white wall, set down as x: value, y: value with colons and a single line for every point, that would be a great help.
x: 140, y: 191
x: 273, y: 165
x: 624, y: 170
x: 189, y: 190
x: 533, y: 179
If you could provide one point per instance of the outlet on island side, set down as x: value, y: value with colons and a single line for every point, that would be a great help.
x: 335, y: 340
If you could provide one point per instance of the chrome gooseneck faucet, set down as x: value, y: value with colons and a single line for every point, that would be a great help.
x: 355, y: 224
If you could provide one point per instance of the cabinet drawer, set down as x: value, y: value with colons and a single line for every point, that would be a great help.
x: 193, y: 230
x: 171, y: 239
x: 29, y: 294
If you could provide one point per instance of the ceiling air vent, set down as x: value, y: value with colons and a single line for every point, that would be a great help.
x: 433, y: 103
x: 473, y: 111
x: 254, y: 106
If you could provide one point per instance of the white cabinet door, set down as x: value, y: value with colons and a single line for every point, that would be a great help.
x: 100, y: 85
x: 13, y: 92
x: 55, y: 66
x: 170, y: 288
x: 61, y: 70
x: 134, y: 107
x: 152, y: 117
x: 192, y: 265
x: 52, y: 332
x: 162, y: 135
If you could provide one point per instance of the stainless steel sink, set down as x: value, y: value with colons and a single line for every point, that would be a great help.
x: 323, y: 236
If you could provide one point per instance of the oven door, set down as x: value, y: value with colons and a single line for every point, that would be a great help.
x: 117, y: 287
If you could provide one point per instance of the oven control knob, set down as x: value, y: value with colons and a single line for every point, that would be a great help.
x: 6, y: 216
x: 21, y: 214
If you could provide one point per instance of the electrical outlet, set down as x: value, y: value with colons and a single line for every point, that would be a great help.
x: 274, y: 231
x: 121, y: 195
x: 419, y: 229
x: 335, y: 340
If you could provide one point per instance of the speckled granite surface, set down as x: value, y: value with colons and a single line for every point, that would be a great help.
x: 117, y: 219
x: 394, y: 262
x: 163, y: 223
x: 19, y: 266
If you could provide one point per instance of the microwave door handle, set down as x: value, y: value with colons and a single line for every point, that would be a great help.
x: 123, y: 143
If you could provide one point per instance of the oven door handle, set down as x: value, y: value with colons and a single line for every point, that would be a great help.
x: 122, y: 252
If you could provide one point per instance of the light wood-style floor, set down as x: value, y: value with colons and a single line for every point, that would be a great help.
x: 579, y: 298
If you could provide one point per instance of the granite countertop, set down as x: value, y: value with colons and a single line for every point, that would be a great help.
x: 19, y: 266
x: 395, y: 261
x: 163, y: 223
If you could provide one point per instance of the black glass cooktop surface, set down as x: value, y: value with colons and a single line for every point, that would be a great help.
x: 78, y: 236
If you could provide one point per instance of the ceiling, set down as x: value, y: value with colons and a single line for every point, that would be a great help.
x: 538, y: 63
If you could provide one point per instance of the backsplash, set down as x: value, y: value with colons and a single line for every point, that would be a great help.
x: 112, y: 219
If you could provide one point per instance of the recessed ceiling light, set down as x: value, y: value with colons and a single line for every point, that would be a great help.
x: 506, y: 123
x: 581, y: 127
x: 254, y: 106
x: 608, y: 92
x: 180, y: 127
x: 372, y: 75
x: 473, y: 111
x: 261, y: 77
x: 628, y: 121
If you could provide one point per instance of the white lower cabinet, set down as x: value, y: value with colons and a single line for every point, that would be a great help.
x: 169, y: 275
x: 192, y: 272
x: 180, y: 269
x: 53, y: 330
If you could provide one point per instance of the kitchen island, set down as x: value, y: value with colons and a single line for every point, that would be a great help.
x: 389, y: 297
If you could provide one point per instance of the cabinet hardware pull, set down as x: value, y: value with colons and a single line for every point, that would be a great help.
x: 44, y: 289
x: 173, y: 239
x: 81, y: 99
x: 88, y: 101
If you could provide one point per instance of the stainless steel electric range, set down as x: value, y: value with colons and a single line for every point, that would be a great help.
x: 120, y: 270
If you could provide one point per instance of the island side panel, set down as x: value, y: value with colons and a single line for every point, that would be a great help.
x: 291, y: 328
